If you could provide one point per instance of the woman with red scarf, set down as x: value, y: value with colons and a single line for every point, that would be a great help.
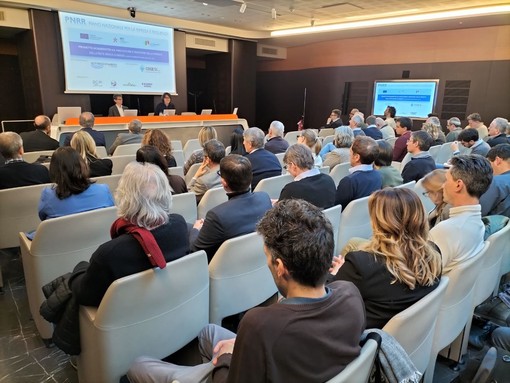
x: 146, y: 235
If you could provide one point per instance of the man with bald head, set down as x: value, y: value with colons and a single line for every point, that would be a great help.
x: 87, y: 125
x: 39, y: 139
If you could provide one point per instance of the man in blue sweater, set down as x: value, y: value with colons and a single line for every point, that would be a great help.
x: 363, y: 178
x: 421, y: 162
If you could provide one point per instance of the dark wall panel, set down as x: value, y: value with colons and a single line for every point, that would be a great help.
x: 12, y: 103
x: 244, y: 77
x: 280, y: 94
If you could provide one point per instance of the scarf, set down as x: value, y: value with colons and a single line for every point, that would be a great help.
x: 144, y: 238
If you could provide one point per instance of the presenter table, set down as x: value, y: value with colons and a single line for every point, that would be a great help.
x: 176, y: 127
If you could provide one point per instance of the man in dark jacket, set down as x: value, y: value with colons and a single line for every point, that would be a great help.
x: 39, y: 139
x: 421, y: 162
x: 276, y: 143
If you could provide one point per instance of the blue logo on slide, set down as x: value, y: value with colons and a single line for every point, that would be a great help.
x: 142, y: 68
x: 113, y: 83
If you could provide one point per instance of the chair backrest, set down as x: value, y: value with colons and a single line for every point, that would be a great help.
x: 239, y: 278
x: 392, y: 141
x: 120, y: 162
x: 176, y: 144
x: 325, y: 132
x: 404, y: 162
x: 274, y: 185
x: 58, y: 246
x: 101, y: 152
x: 408, y: 185
x: 324, y: 169
x: 444, y: 153
x: 176, y: 171
x: 334, y: 214
x: 457, y: 304
x: 179, y: 157
x: 211, y: 198
x: 188, y: 114
x: 355, y: 222
x: 33, y: 156
x: 360, y: 368
x: 280, y: 160
x: 291, y: 137
x: 434, y: 150
x: 111, y: 181
x: 126, y: 149
x: 340, y: 171
x: 190, y: 146
x: 414, y: 327
x: 18, y: 212
x: 505, y: 262
x: 228, y: 149
x: 428, y: 205
x: 155, y: 312
x: 328, y: 139
x: 397, y: 165
x: 191, y: 172
x: 489, y: 277
x: 185, y: 204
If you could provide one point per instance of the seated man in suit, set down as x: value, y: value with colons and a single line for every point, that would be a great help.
x: 207, y: 176
x: 497, y: 132
x: 276, y: 143
x: 309, y: 336
x: 235, y: 217
x: 309, y: 183
x: 421, y: 162
x: 16, y: 172
x: 39, y: 139
x: 372, y: 130
x: 87, y: 124
x: 117, y: 109
x: 363, y: 178
x: 134, y: 136
x: 264, y: 164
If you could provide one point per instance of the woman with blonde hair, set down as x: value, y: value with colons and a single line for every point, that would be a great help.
x: 206, y: 133
x: 157, y: 138
x: 311, y: 139
x: 343, y: 141
x: 433, y: 184
x: 85, y: 145
x: 398, y: 266
x: 435, y: 132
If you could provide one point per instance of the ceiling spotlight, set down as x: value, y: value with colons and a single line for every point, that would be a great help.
x: 273, y: 13
x: 132, y: 11
x: 243, y: 7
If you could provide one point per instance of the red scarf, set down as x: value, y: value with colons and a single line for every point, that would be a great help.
x: 144, y: 237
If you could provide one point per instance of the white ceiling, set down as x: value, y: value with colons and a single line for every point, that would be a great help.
x: 223, y: 17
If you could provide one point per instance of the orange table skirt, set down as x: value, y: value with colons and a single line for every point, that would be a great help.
x: 127, y: 119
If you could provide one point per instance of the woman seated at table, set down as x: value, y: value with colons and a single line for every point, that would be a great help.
x: 152, y: 155
x: 197, y: 157
x: 146, y: 221
x: 84, y: 144
x: 398, y: 266
x: 73, y: 191
x: 160, y: 140
x: 166, y: 103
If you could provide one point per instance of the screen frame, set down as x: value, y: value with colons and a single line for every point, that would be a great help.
x: 434, y: 102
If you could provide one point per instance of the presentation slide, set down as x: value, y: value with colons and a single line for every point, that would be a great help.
x: 411, y: 98
x: 113, y: 56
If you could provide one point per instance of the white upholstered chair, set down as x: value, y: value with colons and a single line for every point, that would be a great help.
x: 101, y: 152
x: 355, y: 222
x: 185, y: 204
x: 339, y: 172
x: 408, y: 185
x: 111, y: 181
x: 191, y: 172
x: 211, y: 198
x: 126, y: 149
x: 291, y: 137
x: 358, y: 371
x: 334, y: 214
x: 18, y: 212
x: 33, y: 156
x: 176, y: 144
x: 120, y: 162
x: 155, y: 312
x: 414, y: 327
x: 58, y: 246
x: 239, y: 278
x: 456, y: 308
x: 176, y: 171
x: 190, y: 146
x: 179, y: 157
x: 273, y: 185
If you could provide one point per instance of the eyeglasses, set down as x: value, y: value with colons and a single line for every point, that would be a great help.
x: 426, y: 194
x: 218, y: 173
